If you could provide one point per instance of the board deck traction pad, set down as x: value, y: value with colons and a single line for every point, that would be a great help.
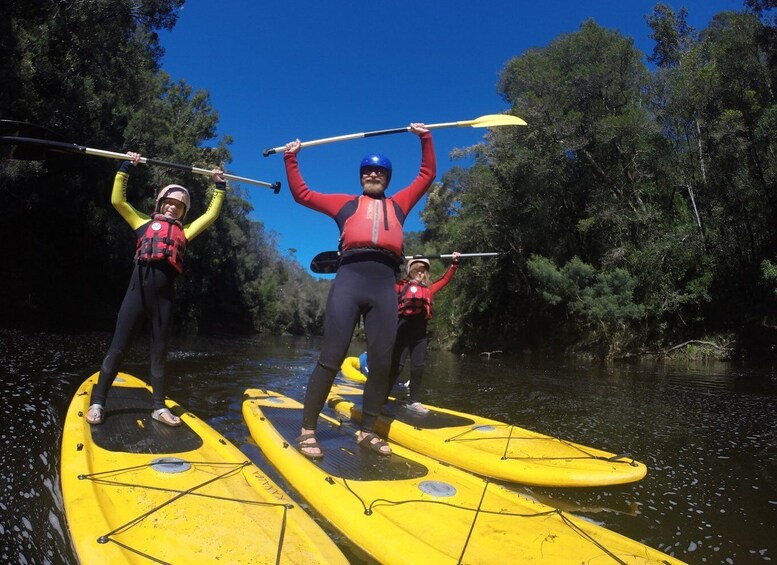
x: 120, y: 432
x: 343, y: 458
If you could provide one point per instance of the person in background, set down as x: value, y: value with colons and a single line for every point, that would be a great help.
x: 416, y: 295
x: 162, y: 241
x: 371, y: 247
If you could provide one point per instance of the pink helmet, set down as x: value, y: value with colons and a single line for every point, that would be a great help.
x: 412, y: 262
x: 174, y: 192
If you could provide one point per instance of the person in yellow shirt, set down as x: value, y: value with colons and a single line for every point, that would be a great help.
x: 162, y: 239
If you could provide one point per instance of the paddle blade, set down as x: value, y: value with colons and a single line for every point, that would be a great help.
x: 495, y: 120
x: 10, y: 148
x: 325, y: 263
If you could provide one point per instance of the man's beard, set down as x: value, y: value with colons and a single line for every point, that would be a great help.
x: 373, y: 188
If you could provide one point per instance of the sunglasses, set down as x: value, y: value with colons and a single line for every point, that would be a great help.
x: 367, y: 171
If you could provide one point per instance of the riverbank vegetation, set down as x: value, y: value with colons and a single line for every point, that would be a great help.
x: 637, y: 212
x: 638, y: 209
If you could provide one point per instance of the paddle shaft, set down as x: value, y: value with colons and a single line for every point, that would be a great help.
x: 361, y: 135
x: 449, y: 255
x: 326, y: 262
x: 75, y: 148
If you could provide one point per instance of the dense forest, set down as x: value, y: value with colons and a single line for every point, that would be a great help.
x: 67, y: 254
x: 636, y: 212
x: 638, y: 209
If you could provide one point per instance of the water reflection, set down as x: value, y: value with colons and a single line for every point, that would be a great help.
x: 708, y: 433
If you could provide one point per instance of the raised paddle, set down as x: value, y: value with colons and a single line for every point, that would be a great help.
x: 327, y: 262
x: 487, y: 121
x: 50, y: 145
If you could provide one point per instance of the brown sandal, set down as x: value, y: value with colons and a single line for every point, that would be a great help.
x: 303, y: 442
x: 368, y: 441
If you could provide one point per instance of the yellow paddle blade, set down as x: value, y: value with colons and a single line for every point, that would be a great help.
x: 494, y: 120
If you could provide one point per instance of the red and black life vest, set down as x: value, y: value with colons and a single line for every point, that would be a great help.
x: 373, y: 224
x: 414, y: 299
x: 162, y: 239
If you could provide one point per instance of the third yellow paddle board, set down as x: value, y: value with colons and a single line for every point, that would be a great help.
x: 489, y: 447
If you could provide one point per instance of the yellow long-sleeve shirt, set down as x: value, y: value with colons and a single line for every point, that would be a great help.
x: 136, y: 219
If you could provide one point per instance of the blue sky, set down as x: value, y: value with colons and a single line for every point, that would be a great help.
x: 309, y: 69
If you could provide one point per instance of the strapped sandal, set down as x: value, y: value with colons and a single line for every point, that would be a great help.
x: 368, y: 442
x: 95, y: 414
x: 303, y: 442
x: 164, y: 416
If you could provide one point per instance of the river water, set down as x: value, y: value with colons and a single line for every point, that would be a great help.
x: 707, y: 432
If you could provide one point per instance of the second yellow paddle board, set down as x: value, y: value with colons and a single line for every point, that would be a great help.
x: 408, y: 508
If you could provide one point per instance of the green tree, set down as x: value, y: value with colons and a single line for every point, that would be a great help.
x: 599, y: 303
x: 723, y: 87
x: 590, y: 177
x: 672, y: 34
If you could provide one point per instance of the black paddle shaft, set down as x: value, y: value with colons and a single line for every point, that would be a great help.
x: 327, y: 262
x: 75, y: 148
x: 49, y: 145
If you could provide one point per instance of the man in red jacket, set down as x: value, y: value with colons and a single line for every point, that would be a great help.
x: 371, y: 241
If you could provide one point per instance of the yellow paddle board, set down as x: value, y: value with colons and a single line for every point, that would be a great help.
x: 137, y: 491
x: 408, y: 508
x: 489, y: 447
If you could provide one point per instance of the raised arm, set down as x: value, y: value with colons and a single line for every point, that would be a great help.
x: 119, y: 193
x: 328, y: 204
x: 410, y: 195
x: 199, y: 225
x: 440, y: 283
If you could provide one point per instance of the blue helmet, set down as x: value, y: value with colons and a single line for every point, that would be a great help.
x: 376, y: 160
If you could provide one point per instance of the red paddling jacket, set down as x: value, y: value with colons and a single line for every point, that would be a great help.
x: 365, y: 222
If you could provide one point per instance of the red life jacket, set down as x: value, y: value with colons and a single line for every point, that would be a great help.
x: 373, y: 224
x: 162, y: 240
x: 414, y: 299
